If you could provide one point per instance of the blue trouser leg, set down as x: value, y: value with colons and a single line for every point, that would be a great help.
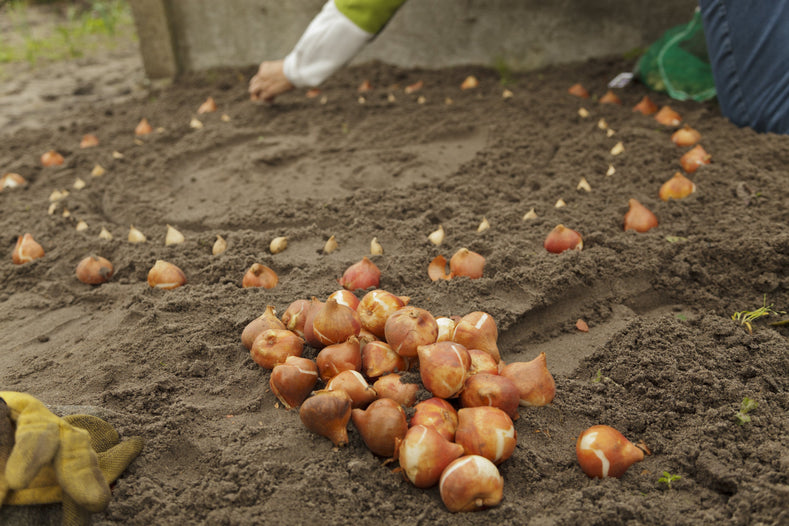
x: 748, y: 43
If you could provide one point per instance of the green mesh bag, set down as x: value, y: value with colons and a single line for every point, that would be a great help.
x: 678, y: 63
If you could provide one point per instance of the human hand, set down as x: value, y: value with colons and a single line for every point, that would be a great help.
x: 269, y: 81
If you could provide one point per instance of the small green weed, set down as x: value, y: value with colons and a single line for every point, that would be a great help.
x: 504, y: 70
x: 668, y: 478
x: 746, y: 317
x: 747, y: 405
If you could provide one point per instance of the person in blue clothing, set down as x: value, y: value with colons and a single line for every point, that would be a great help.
x: 747, y: 41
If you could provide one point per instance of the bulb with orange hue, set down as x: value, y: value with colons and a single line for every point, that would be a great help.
x: 295, y: 316
x: 578, y: 90
x: 603, y: 451
x: 89, y: 140
x: 361, y: 275
x: 12, y: 180
x: 424, y: 454
x: 381, y: 425
x: 562, y: 238
x: 335, y: 323
x: 94, y: 270
x: 610, y: 98
x: 378, y: 359
x: 477, y: 330
x: 392, y: 386
x: 685, y: 136
x: 536, y: 386
x: 143, y: 127
x: 312, y: 339
x: 486, y: 431
x: 51, y: 158
x: 165, y: 275
x: 694, y: 158
x: 437, y: 269
x: 293, y: 380
x: 444, y: 367
x: 437, y: 414
x: 482, y: 362
x: 26, y: 250
x: 678, y: 187
x: 208, y: 106
x: 327, y: 413
x: 668, y: 117
x: 469, y: 82
x: 408, y: 328
x: 446, y: 328
x: 471, y: 483
x: 267, y: 320
x: 353, y: 383
x: 466, y: 263
x: 345, y: 297
x: 646, y: 106
x: 639, y: 217
x: 259, y: 275
x: 338, y: 357
x: 273, y: 346
x: 375, y: 308
x: 484, y: 389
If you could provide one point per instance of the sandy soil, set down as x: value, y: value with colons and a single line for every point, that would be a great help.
x: 663, y: 362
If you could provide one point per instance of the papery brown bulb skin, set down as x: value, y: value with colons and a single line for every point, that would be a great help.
x: 327, y: 413
x: 293, y: 381
x: 578, y: 90
x: 471, y: 483
x: 338, y: 357
x: 143, y: 127
x: 491, y: 390
x: 335, y: 323
x: 477, y: 330
x: 694, y: 158
x: 259, y: 275
x: 353, y: 383
x: 408, y: 328
x: 381, y: 425
x: 444, y: 367
x: 295, y: 316
x: 51, y: 158
x: 437, y: 269
x: 535, y: 383
x: 345, y: 297
x: 309, y: 333
x: 273, y: 346
x: 487, y: 431
x: 26, y: 250
x: 678, y: 187
x: 165, y: 275
x: 603, y: 451
x: 562, y: 238
x: 94, y: 270
x: 639, y: 217
x: 391, y: 386
x: 610, y: 98
x: 646, y: 106
x: 466, y: 263
x: 685, y: 136
x: 378, y: 359
x: 375, y: 308
x: 424, y: 454
x: 482, y: 362
x: 361, y: 275
x: 267, y: 320
x: 438, y: 414
x: 668, y: 117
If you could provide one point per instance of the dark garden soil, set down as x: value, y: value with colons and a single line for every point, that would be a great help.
x: 663, y: 360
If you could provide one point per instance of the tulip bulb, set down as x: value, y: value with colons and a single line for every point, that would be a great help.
x: 486, y: 431
x: 295, y: 316
x: 278, y: 244
x: 536, y: 386
x: 208, y: 106
x: 51, y: 158
x: 164, y: 275
x: 335, y: 323
x: 408, y: 328
x: 220, y: 245
x: 259, y: 275
x: 484, y: 225
x: 390, y: 386
x: 361, y: 275
x: 378, y: 359
x: 330, y: 245
x: 639, y: 217
x: 424, y: 454
x: 464, y: 262
x: 353, y: 383
x: 89, y: 140
x: 485, y: 389
x: 381, y: 425
x: 646, y: 106
x: 471, y: 483
x: 694, y: 158
x: 94, y: 270
x: 531, y: 214
x: 562, y: 238
x: 668, y: 117
x: 105, y: 234
x: 685, y: 136
x: 312, y: 339
x: 98, y: 171
x: 336, y: 358
x: 135, y: 236
x: 437, y: 236
x: 273, y: 346
x: 603, y: 451
x: 444, y: 367
x: 345, y: 297
x: 173, y: 236
x: 327, y: 413
x: 143, y: 127
x: 375, y: 308
x: 446, y: 328
x: 477, y: 330
x: 469, y: 82
x: 438, y: 414
x: 482, y: 362
x: 678, y: 187
x: 12, y: 180
x: 375, y: 247
x: 578, y: 90
x: 26, y: 250
x: 267, y: 320
x: 610, y: 98
x: 293, y: 381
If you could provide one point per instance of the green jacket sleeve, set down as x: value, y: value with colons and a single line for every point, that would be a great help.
x: 369, y: 15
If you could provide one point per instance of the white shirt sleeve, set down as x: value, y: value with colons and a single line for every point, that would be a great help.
x: 329, y: 42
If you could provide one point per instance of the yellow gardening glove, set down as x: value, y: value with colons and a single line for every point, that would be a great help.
x: 71, y: 459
